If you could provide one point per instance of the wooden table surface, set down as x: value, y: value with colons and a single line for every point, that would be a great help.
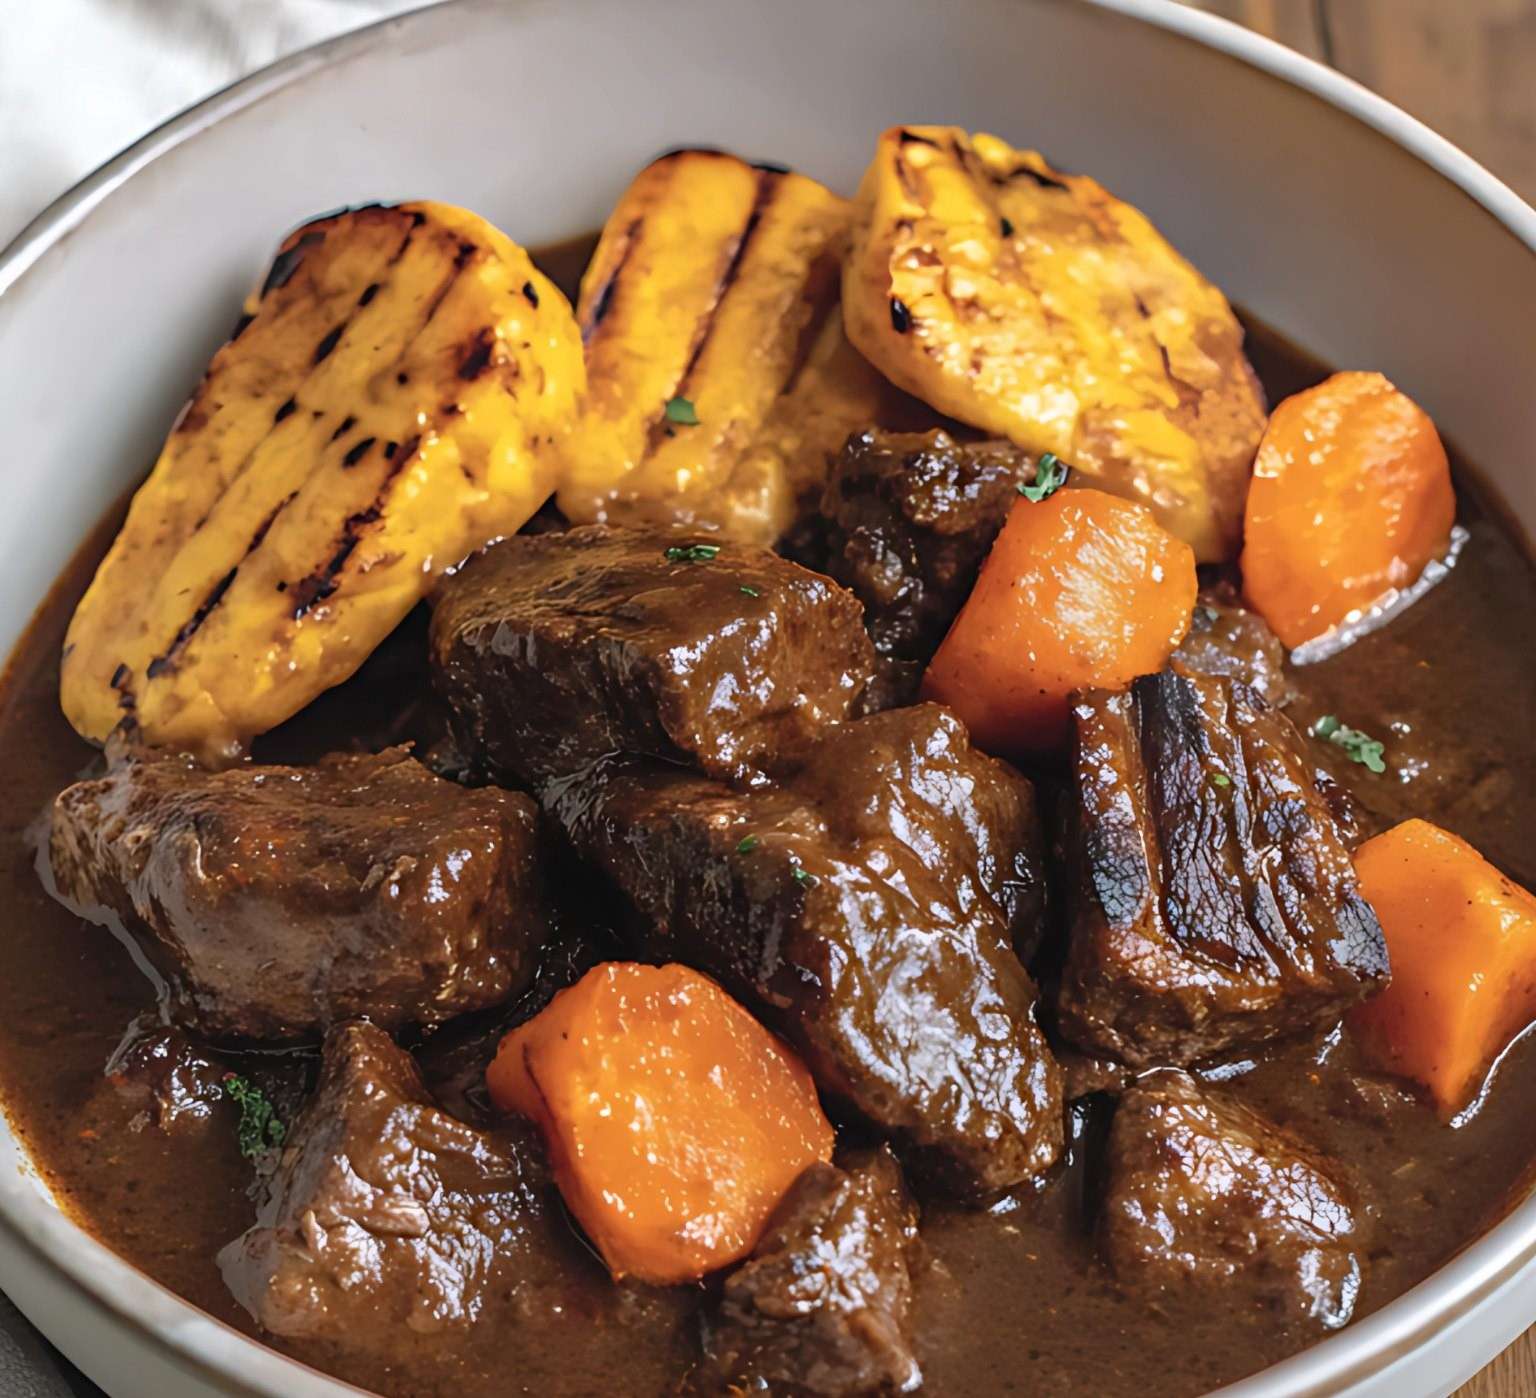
x: 1468, y: 69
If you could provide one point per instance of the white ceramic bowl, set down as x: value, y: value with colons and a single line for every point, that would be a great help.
x: 1338, y: 219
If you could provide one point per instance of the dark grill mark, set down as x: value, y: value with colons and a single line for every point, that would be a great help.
x: 531, y: 295
x: 462, y: 257
x: 369, y: 292
x: 602, y: 302
x: 390, y: 448
x: 1007, y: 227
x: 479, y: 355
x: 767, y: 187
x: 347, y: 424
x: 768, y: 167
x: 323, y: 349
x: 167, y: 661
x: 283, y: 411
x: 1044, y: 181
x: 163, y: 663
x: 120, y: 675
x: 286, y: 263
x: 901, y: 317
x: 323, y: 582
x: 358, y: 452
x: 911, y: 138
x: 241, y: 326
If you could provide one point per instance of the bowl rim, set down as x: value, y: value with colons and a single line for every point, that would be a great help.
x: 49, y: 1238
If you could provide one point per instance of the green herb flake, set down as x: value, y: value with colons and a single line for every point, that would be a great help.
x: 750, y: 591
x: 1360, y: 747
x: 1050, y: 476
x: 692, y: 553
x: 801, y: 877
x: 259, y: 1130
x: 682, y: 412
x: 1220, y: 779
x: 747, y: 845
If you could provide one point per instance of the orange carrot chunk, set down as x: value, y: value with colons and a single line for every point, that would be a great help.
x: 1081, y: 590
x: 1462, y: 940
x: 675, y: 1122
x: 1351, y: 497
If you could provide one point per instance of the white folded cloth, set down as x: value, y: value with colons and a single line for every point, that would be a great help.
x: 81, y: 79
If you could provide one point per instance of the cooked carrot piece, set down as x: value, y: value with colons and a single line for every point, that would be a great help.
x: 1462, y: 939
x: 1081, y: 590
x: 1351, y: 497
x: 675, y: 1121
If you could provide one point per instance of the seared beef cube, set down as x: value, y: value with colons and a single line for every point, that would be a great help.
x: 1203, y: 1193
x: 911, y: 517
x: 864, y: 907
x: 158, y: 1066
x: 1225, y: 638
x: 822, y: 1304
x: 558, y: 649
x: 388, y: 1220
x: 276, y: 901
x: 1216, y: 903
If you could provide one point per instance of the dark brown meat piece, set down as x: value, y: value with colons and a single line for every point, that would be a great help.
x: 1203, y: 1193
x: 387, y: 1220
x: 558, y: 649
x: 822, y: 1305
x: 157, y: 1066
x: 1216, y: 906
x: 1225, y: 638
x: 868, y: 907
x: 910, y: 518
x: 276, y: 901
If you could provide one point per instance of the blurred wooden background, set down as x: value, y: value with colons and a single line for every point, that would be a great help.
x: 1468, y: 69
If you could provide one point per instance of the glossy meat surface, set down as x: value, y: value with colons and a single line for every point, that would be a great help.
x: 1215, y: 904
x: 158, y: 1066
x: 822, y: 1305
x: 388, y: 1220
x: 868, y: 907
x: 1201, y: 1192
x: 276, y: 901
x: 910, y: 516
x: 1225, y: 638
x: 559, y: 649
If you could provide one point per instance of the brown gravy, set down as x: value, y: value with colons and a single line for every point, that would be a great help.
x: 1015, y: 1300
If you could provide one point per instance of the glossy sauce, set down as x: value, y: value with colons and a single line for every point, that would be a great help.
x: 1015, y: 1300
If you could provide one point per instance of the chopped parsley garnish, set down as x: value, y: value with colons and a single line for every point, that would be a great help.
x: 747, y: 845
x: 1007, y: 228
x: 692, y: 553
x: 1361, y: 747
x: 1220, y: 779
x: 259, y: 1130
x: 681, y: 411
x: 750, y: 591
x: 1050, y: 476
x: 801, y: 876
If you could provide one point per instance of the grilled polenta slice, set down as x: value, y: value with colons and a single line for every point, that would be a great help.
x: 386, y: 406
x: 710, y: 286
x: 1032, y: 304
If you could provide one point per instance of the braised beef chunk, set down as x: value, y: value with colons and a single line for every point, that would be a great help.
x: 910, y: 518
x: 1203, y: 1193
x: 276, y: 901
x: 867, y: 906
x: 822, y: 1305
x: 388, y: 1220
x: 558, y: 649
x: 158, y: 1066
x: 1225, y: 638
x: 1216, y: 905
